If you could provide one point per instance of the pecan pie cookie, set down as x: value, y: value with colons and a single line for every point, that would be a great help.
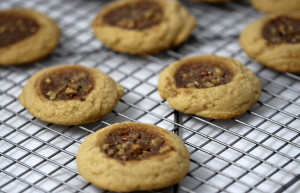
x: 272, y: 6
x: 274, y: 41
x: 133, y: 156
x: 143, y: 26
x: 209, y: 86
x: 26, y: 36
x: 70, y: 94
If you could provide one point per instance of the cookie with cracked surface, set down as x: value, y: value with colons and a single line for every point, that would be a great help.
x: 70, y: 94
x: 274, y: 41
x: 209, y: 86
x: 26, y: 36
x: 273, y: 6
x: 143, y: 26
x: 133, y: 156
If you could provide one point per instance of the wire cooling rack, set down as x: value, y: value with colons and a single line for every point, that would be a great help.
x: 256, y: 152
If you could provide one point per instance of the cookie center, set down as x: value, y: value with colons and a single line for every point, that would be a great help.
x: 282, y: 29
x: 71, y: 83
x: 139, y: 15
x: 15, y: 27
x: 201, y: 75
x: 128, y: 144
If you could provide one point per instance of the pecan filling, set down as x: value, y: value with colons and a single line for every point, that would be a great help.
x: 201, y: 75
x: 68, y: 84
x: 282, y: 29
x: 138, y: 16
x: 128, y: 144
x: 15, y: 27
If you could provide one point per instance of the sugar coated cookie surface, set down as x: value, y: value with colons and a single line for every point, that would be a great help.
x: 274, y: 41
x: 143, y: 26
x: 273, y: 6
x: 70, y: 94
x: 133, y: 156
x: 209, y: 86
x: 26, y: 36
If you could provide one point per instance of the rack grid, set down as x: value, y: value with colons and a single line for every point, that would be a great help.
x: 255, y: 152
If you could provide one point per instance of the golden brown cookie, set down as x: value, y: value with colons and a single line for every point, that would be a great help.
x: 70, y: 94
x: 273, y: 6
x: 274, y: 41
x: 133, y: 156
x: 26, y: 36
x: 143, y: 26
x: 209, y: 86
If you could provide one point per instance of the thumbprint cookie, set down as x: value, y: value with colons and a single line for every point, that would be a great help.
x: 210, y: 86
x: 143, y: 26
x: 26, y: 36
x: 70, y: 94
x: 274, y: 41
x: 133, y: 156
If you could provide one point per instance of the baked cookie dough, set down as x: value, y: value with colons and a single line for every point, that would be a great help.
x: 26, y: 36
x: 70, y: 94
x: 274, y: 41
x: 143, y: 26
x: 273, y: 6
x: 133, y: 156
x: 209, y: 86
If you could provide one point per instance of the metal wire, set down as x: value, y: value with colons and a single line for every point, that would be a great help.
x: 255, y: 152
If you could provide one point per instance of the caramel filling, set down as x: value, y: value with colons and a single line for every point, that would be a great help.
x: 67, y: 84
x: 15, y: 27
x: 201, y: 75
x: 128, y: 144
x: 139, y: 15
x: 282, y: 29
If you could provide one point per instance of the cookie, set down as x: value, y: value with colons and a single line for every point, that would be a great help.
x: 70, y: 94
x: 133, y: 156
x: 26, y: 36
x: 273, y: 6
x: 209, y: 86
x: 274, y: 41
x: 143, y: 26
